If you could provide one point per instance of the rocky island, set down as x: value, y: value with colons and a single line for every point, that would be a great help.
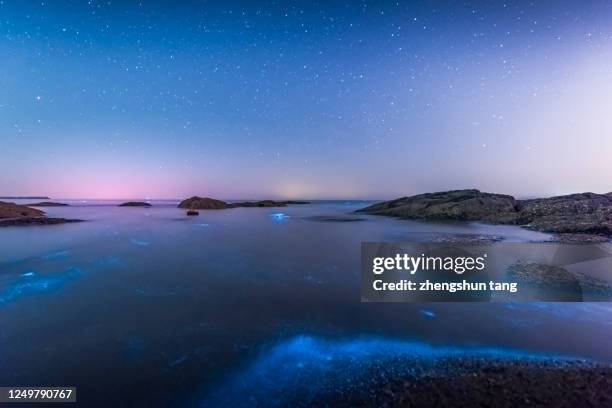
x: 25, y: 198
x: 206, y: 203
x: 586, y: 213
x: 47, y: 204
x: 135, y: 204
x: 12, y: 214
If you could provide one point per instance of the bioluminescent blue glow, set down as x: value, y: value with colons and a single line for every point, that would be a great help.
x: 428, y: 313
x: 307, y: 366
x: 30, y: 283
x: 56, y: 255
x: 139, y: 242
x: 279, y: 216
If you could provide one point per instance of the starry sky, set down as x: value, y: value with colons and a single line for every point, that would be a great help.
x: 357, y: 99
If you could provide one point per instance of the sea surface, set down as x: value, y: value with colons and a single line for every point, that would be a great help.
x: 149, y: 307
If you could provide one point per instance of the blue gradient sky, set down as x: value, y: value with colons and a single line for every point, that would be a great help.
x: 328, y: 99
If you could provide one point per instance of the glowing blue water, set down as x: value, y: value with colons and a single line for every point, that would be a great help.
x: 150, y: 305
x: 304, y: 367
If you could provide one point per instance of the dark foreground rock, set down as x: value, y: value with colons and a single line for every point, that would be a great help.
x: 12, y: 215
x: 586, y: 213
x: 481, y: 382
x: 192, y: 212
x: 47, y: 204
x: 12, y: 210
x: 206, y: 203
x: 25, y: 221
x: 135, y: 204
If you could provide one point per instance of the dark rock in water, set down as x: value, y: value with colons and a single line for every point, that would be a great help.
x: 296, y: 202
x: 12, y: 215
x: 12, y: 210
x: 48, y: 204
x: 206, y: 203
x: 469, y: 205
x: 267, y: 203
x: 203, y: 203
x: 135, y: 204
x: 585, y: 213
x: 192, y: 212
x: 25, y: 221
x: 333, y: 218
x: 262, y: 203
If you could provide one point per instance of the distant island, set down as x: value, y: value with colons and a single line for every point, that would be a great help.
x: 135, y: 204
x: 47, y: 204
x: 25, y: 198
x: 207, y: 203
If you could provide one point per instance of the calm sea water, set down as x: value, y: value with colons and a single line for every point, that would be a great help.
x: 148, y: 307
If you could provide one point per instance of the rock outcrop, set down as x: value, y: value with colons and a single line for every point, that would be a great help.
x: 203, y: 203
x: 135, y: 204
x: 575, y: 213
x: 206, y: 203
x: 25, y: 221
x: 467, y: 205
x: 12, y: 214
x: 585, y: 213
x: 12, y: 210
x: 47, y: 204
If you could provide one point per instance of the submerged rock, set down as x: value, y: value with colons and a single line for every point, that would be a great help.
x: 135, y: 204
x: 192, y: 212
x: 48, y: 204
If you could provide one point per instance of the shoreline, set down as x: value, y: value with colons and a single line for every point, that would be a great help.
x: 479, y: 381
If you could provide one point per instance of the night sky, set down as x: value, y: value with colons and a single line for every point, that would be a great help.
x: 358, y: 99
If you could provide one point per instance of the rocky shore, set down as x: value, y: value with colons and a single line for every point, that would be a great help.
x: 12, y: 214
x: 206, y: 203
x: 480, y: 382
x: 588, y: 214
